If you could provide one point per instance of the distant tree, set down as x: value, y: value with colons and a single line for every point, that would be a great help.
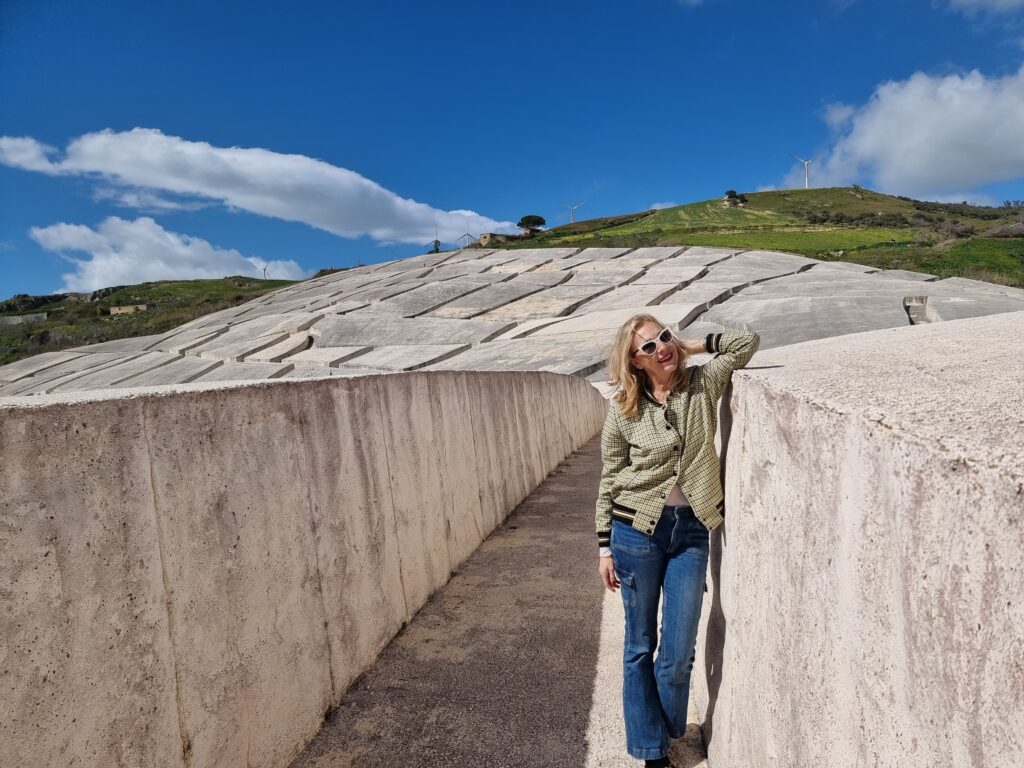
x: 730, y: 194
x: 531, y: 223
x: 742, y: 198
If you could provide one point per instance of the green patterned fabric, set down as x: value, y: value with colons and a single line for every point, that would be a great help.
x: 645, y: 457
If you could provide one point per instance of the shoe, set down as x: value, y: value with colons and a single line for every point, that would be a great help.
x: 661, y: 762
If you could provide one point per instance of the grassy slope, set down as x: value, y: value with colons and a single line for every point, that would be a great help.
x: 74, y: 320
x: 892, y: 232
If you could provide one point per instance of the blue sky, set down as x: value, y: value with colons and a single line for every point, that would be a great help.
x: 152, y: 140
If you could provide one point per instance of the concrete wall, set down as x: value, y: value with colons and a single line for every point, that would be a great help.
x: 865, y: 605
x: 193, y: 578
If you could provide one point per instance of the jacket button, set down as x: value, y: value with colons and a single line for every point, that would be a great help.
x: 663, y: 495
x: 668, y: 426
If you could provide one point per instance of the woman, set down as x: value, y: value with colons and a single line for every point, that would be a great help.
x: 660, y: 495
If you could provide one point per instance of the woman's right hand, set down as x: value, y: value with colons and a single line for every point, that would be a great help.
x: 607, y: 569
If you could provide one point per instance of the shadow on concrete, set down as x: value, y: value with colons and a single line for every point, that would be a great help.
x: 497, y: 669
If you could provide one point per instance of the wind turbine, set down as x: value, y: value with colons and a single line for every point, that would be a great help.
x: 572, y: 211
x: 435, y: 243
x: 466, y: 234
x: 807, y: 165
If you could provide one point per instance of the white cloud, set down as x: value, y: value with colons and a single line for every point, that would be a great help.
x: 659, y: 206
x: 838, y: 115
x: 927, y: 136
x: 290, y: 187
x: 126, y: 252
x: 27, y: 153
x: 144, y: 200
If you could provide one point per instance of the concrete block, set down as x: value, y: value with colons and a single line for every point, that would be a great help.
x: 286, y: 348
x: 609, y: 321
x: 552, y: 302
x: 632, y: 295
x: 179, y: 371
x: 380, y: 330
x: 868, y: 581
x: 405, y: 357
x: 111, y: 375
x: 326, y: 357
x: 86, y: 666
x: 425, y: 298
x: 245, y: 372
x: 249, y: 620
x: 793, y: 320
x: 601, y: 253
x: 32, y: 366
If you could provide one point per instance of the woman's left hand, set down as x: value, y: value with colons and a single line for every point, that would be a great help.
x: 608, y: 576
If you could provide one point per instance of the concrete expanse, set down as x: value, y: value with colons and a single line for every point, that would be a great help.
x: 866, y: 585
x: 194, y: 576
x: 863, y: 608
x: 463, y: 306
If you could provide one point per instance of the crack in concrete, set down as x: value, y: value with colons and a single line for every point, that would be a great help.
x: 186, y: 742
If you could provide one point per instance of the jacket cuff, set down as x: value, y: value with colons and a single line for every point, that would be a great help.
x: 604, y: 538
x: 713, y: 343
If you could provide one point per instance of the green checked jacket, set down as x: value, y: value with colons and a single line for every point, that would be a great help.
x: 645, y: 457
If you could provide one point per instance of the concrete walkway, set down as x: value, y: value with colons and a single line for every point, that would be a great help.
x: 515, y: 663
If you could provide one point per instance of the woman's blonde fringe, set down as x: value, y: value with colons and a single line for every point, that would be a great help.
x: 630, y: 381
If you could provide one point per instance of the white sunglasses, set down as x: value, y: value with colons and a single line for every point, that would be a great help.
x: 650, y: 347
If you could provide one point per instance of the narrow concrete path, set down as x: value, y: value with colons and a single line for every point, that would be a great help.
x: 515, y: 663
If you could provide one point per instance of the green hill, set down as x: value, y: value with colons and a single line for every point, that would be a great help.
x: 74, y: 319
x: 842, y: 223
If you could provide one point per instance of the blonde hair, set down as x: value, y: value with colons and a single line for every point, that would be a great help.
x: 630, y: 381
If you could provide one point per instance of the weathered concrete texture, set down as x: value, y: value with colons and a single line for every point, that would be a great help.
x: 326, y: 357
x: 290, y: 345
x: 245, y: 372
x: 33, y: 366
x: 491, y: 297
x: 307, y: 372
x: 199, y: 575
x: 404, y: 357
x: 86, y: 666
x: 560, y: 300
x: 179, y: 371
x: 601, y: 253
x: 673, y: 271
x: 376, y: 330
x: 676, y: 315
x: 608, y: 276
x: 53, y: 376
x: 577, y: 354
x: 476, y: 296
x: 425, y: 298
x: 633, y: 295
x: 112, y: 375
x: 544, y: 254
x: 658, y: 252
x: 866, y: 604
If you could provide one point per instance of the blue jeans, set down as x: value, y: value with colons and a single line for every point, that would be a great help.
x: 671, y: 563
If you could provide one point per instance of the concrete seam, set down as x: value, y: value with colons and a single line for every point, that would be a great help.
x: 391, y: 496
x: 186, y: 742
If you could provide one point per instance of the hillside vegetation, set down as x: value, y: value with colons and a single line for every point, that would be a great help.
x: 74, y: 319
x: 842, y: 223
